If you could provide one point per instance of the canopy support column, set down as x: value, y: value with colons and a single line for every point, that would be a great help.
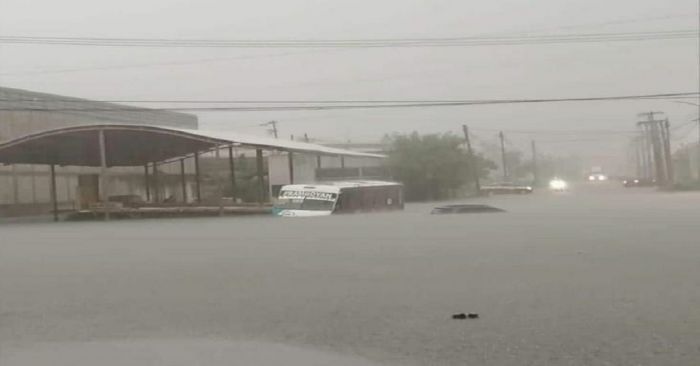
x: 290, y: 157
x: 104, y: 191
x: 145, y: 182
x: 198, y: 190
x: 156, y: 184
x: 232, y: 168
x: 183, y: 180
x: 54, y: 198
x: 261, y: 179
x: 342, y: 162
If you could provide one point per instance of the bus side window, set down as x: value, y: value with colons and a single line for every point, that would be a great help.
x: 339, y: 203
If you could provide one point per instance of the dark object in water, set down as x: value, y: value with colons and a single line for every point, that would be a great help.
x: 462, y: 316
x: 452, y: 209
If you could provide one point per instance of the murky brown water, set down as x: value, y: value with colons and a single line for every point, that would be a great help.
x: 599, y: 276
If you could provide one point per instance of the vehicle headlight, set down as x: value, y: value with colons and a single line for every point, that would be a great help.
x: 557, y: 184
x: 602, y: 177
x: 591, y: 177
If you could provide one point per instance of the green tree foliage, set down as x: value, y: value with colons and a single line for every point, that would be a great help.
x: 432, y: 166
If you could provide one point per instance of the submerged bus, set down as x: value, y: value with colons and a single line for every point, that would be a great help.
x: 338, y: 197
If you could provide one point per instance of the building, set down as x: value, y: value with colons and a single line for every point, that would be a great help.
x: 23, y: 112
x: 310, y: 169
x: 24, y: 188
x: 201, y: 177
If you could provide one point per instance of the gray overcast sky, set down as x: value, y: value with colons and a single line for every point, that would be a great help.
x: 526, y: 71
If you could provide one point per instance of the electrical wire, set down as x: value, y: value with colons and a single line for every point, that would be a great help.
x: 559, y: 132
x: 328, y: 105
x: 355, y: 43
x: 157, y: 64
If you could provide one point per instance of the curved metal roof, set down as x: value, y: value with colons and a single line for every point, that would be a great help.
x: 133, y: 145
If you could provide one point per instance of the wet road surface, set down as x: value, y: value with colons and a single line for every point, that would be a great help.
x: 597, y: 276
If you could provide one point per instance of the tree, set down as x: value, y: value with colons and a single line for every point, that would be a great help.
x: 432, y: 166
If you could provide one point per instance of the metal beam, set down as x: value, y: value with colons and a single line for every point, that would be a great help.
x: 232, y: 169
x: 146, y: 183
x: 290, y: 158
x: 183, y: 180
x: 198, y: 189
x: 54, y: 198
x: 15, y: 185
x: 156, y: 184
x: 261, y: 177
x: 104, y: 191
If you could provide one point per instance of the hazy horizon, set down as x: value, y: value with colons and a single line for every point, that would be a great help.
x: 483, y: 72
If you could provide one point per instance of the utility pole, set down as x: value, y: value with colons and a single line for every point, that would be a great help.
x: 646, y: 153
x: 667, y: 151
x: 654, y: 130
x: 639, y: 156
x: 503, y: 156
x: 273, y: 125
x: 698, y: 157
x: 535, y: 178
x: 472, y: 160
x: 274, y: 128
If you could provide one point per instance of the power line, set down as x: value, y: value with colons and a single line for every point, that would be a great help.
x: 331, y: 105
x: 331, y: 101
x: 561, y: 132
x: 346, y: 101
x: 155, y: 64
x: 596, y: 139
x: 355, y: 43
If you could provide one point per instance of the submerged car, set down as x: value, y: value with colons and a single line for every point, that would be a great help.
x: 638, y: 182
x: 506, y: 188
x: 458, y: 209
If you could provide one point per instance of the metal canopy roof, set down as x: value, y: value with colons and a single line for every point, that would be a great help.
x: 134, y: 145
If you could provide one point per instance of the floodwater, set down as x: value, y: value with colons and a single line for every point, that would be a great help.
x: 597, y: 276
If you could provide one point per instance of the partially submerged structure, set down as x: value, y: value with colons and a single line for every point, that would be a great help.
x: 50, y: 157
x: 123, y: 145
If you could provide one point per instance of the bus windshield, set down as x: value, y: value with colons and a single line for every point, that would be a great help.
x: 304, y: 204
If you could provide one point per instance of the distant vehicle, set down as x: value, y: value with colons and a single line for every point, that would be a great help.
x: 597, y: 177
x: 458, y: 209
x: 506, y: 188
x: 558, y: 185
x: 303, y: 200
x: 638, y: 182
